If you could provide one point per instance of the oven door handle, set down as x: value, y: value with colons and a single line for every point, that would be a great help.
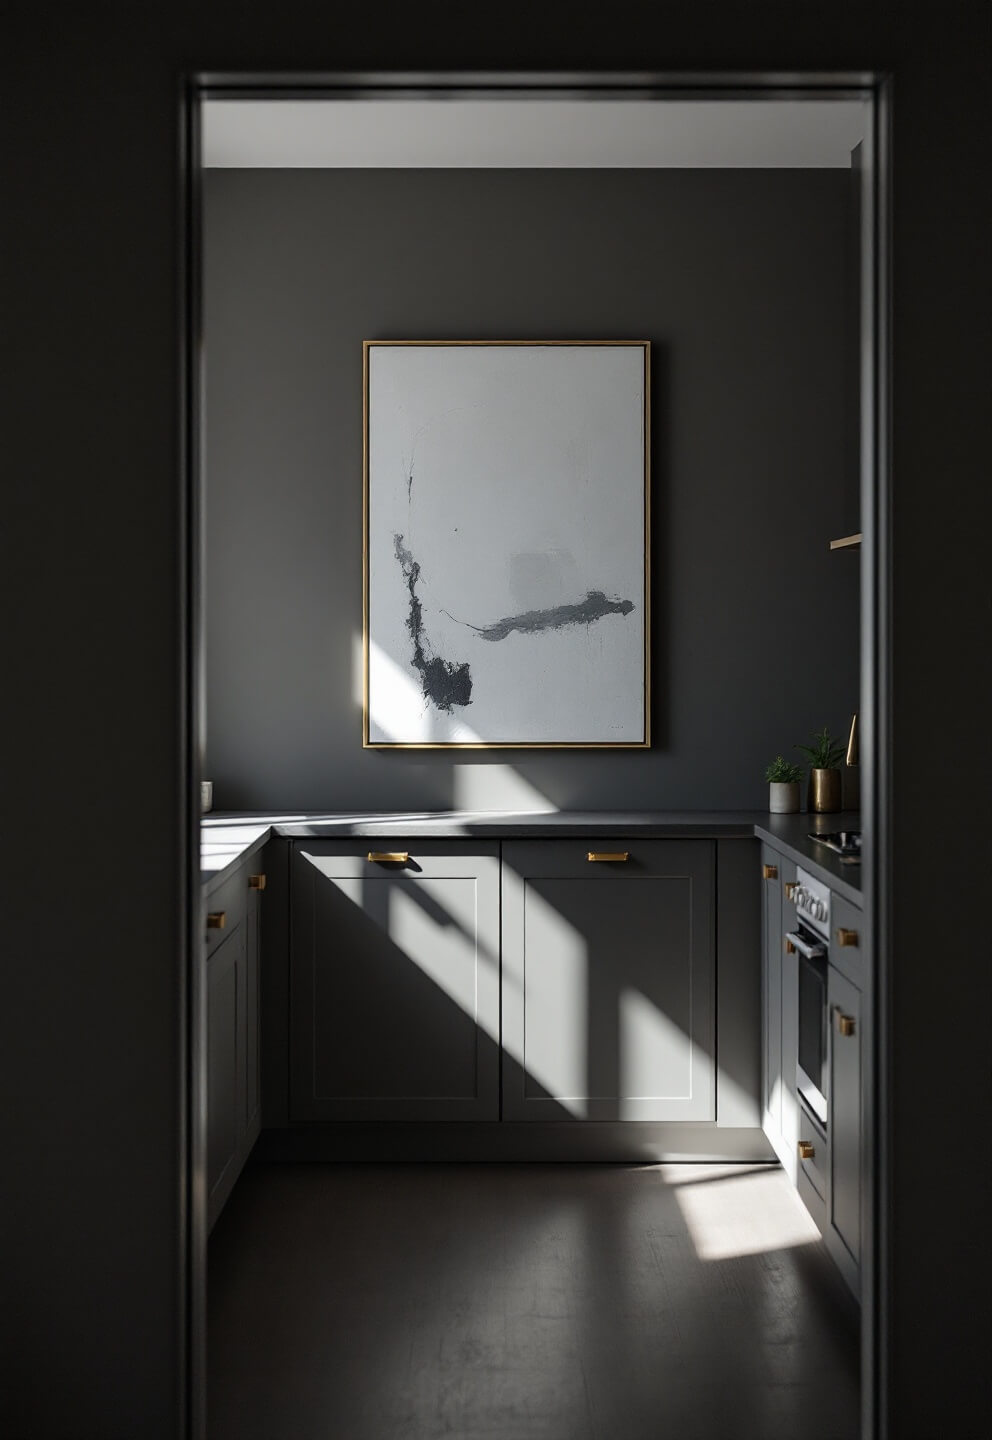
x: 811, y: 952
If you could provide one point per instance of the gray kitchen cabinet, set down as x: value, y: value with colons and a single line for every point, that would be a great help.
x: 233, y: 964
x: 253, y: 1017
x: 790, y: 1024
x: 845, y: 1129
x: 813, y: 1160
x: 608, y: 980
x: 394, y: 981
x: 847, y: 939
x: 825, y: 1163
x: 780, y: 1009
x: 225, y: 1066
x: 771, y: 995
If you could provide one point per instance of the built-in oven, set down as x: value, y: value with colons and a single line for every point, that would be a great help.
x: 809, y: 940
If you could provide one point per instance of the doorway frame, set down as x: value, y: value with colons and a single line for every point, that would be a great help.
x: 876, y: 566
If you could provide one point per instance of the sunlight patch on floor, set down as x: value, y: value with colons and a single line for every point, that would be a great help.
x: 731, y: 1210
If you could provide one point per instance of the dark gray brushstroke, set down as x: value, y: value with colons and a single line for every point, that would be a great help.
x: 444, y: 683
x: 595, y: 605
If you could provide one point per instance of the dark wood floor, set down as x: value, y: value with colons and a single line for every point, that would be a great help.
x: 525, y: 1302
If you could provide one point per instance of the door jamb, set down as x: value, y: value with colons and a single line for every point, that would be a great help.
x: 876, y: 722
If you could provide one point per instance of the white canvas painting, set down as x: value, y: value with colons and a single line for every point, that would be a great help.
x: 506, y: 494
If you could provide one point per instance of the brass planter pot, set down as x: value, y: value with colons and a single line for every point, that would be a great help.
x: 824, y: 791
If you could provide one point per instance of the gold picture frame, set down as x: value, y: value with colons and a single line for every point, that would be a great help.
x: 444, y: 684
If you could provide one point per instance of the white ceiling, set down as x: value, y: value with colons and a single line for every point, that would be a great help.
x: 532, y: 133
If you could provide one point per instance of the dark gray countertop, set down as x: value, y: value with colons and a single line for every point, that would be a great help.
x: 228, y: 838
x: 225, y: 843
x: 790, y: 833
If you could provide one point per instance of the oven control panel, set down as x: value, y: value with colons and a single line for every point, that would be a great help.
x: 812, y: 901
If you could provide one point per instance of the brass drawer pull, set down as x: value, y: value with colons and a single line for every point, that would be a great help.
x: 216, y: 920
x: 847, y: 937
x: 791, y: 887
x: 256, y: 882
x: 769, y: 872
x: 612, y: 855
x: 389, y: 857
x: 845, y: 1024
x: 806, y: 1150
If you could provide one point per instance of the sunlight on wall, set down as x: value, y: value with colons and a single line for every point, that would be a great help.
x: 357, y: 671
x: 396, y: 693
x: 497, y: 787
x: 477, y: 785
x: 730, y: 1212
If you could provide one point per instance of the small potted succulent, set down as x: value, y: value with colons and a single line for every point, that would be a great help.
x: 824, y: 755
x: 783, y: 786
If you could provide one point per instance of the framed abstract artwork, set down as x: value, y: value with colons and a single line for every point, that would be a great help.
x: 507, y: 523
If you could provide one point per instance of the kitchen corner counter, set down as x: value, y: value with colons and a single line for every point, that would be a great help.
x: 791, y: 833
x: 226, y: 839
x: 225, y: 843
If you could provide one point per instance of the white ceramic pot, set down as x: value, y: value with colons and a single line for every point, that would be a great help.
x: 783, y: 799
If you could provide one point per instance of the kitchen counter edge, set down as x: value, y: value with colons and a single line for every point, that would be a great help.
x: 228, y: 839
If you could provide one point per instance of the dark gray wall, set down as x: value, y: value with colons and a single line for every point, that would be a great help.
x: 742, y: 282
x: 92, y: 1218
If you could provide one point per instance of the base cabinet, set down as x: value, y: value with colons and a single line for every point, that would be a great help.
x: 608, y: 981
x: 233, y: 964
x: 225, y: 1066
x: 771, y: 996
x: 780, y: 1010
x: 543, y: 981
x: 845, y: 1101
x: 394, y: 982
x: 825, y: 1163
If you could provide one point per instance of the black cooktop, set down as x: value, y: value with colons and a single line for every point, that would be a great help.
x: 845, y: 843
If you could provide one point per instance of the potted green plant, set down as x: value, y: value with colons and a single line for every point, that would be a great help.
x: 824, y: 776
x: 783, y: 786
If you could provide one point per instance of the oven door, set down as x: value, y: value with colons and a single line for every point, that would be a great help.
x: 811, y: 1065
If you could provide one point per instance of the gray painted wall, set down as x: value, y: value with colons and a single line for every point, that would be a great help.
x: 741, y: 280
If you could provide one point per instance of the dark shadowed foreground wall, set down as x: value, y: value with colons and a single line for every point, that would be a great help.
x: 93, y: 1220
x: 742, y: 282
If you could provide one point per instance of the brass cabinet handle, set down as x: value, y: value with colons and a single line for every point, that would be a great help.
x: 612, y: 855
x: 769, y: 872
x: 216, y: 920
x: 790, y: 949
x: 845, y: 1024
x: 256, y: 882
x: 389, y: 857
x: 806, y: 1150
x: 847, y: 937
x: 791, y: 886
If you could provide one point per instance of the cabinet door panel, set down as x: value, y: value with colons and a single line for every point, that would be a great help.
x: 771, y: 995
x: 848, y: 939
x: 225, y: 1088
x: 789, y: 1153
x: 395, y: 984
x: 608, y: 995
x: 253, y: 1089
x: 845, y: 1112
